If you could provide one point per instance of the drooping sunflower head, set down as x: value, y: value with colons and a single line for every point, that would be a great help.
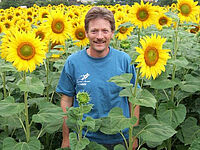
x: 143, y: 14
x: 25, y: 51
x: 152, y: 57
x: 188, y: 10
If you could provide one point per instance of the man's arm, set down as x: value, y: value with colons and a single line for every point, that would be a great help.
x: 66, y: 101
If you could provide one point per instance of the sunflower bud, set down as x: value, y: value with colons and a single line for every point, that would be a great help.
x: 83, y: 98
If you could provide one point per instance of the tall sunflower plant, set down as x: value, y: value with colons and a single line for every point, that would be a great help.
x: 25, y: 52
x: 179, y: 80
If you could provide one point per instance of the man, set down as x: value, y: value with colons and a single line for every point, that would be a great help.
x: 90, y: 69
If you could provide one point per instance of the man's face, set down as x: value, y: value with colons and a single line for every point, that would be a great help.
x: 99, y: 34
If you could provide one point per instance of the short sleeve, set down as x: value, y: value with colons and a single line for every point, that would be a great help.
x: 66, y: 84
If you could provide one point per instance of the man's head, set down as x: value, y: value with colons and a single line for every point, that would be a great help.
x: 99, y: 12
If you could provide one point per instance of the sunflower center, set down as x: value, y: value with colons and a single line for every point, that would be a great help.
x: 40, y: 35
x: 123, y: 30
x: 142, y: 15
x: 57, y: 26
x: 26, y: 51
x: 185, y: 9
x: 7, y: 25
x: 162, y: 21
x: 151, y: 56
x: 44, y: 15
x: 80, y: 34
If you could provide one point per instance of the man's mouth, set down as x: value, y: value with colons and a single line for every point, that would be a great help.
x: 99, y: 42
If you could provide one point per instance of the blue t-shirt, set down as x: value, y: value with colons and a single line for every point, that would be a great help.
x: 82, y: 72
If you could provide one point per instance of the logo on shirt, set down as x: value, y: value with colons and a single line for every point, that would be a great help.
x: 83, y: 79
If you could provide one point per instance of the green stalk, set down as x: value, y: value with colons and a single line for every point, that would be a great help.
x: 81, y: 127
x: 47, y: 73
x: 26, y: 112
x: 47, y: 78
x: 174, y: 58
x: 3, y: 76
x: 131, y: 138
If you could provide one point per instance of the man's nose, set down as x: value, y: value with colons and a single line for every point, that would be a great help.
x: 100, y: 35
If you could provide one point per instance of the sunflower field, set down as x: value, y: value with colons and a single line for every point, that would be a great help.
x: 164, y: 44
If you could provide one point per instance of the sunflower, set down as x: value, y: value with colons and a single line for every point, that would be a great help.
x: 58, y: 49
x: 143, y: 15
x: 41, y: 34
x: 57, y: 27
x: 25, y: 51
x: 152, y: 58
x: 188, y: 10
x: 1, y: 28
x: 123, y: 31
x: 7, y: 24
x: 23, y: 24
x: 6, y: 38
x: 163, y: 20
x: 78, y: 34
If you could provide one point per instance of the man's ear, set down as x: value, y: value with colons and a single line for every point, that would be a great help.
x: 86, y: 34
x: 113, y: 32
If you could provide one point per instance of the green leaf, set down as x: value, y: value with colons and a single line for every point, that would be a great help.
x: 172, y: 116
x: 191, y: 84
x: 89, y: 122
x: 86, y: 108
x: 155, y: 131
x: 75, y: 144
x: 49, y: 115
x: 5, y: 67
x: 180, y: 62
x: 95, y: 146
x: 119, y: 147
x: 189, y: 130
x: 33, y: 85
x: 163, y: 83
x: 8, y: 107
x: 9, y: 144
x: 195, y: 144
x: 97, y: 125
x: 127, y: 92
x: 122, y: 80
x: 144, y: 98
x: 115, y: 122
x: 12, y: 122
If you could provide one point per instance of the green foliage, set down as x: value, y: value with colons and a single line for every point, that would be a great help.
x: 9, y: 143
x: 115, y: 122
x: 155, y: 131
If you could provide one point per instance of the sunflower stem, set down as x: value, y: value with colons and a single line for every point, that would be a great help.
x: 174, y: 58
x: 47, y: 78
x: 3, y: 76
x: 138, y: 32
x: 26, y: 111
x: 47, y: 73
x: 131, y: 138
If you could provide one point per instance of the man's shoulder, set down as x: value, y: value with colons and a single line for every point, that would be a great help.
x: 119, y: 53
x: 76, y: 56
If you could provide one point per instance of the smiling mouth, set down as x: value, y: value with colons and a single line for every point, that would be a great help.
x: 99, y: 42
